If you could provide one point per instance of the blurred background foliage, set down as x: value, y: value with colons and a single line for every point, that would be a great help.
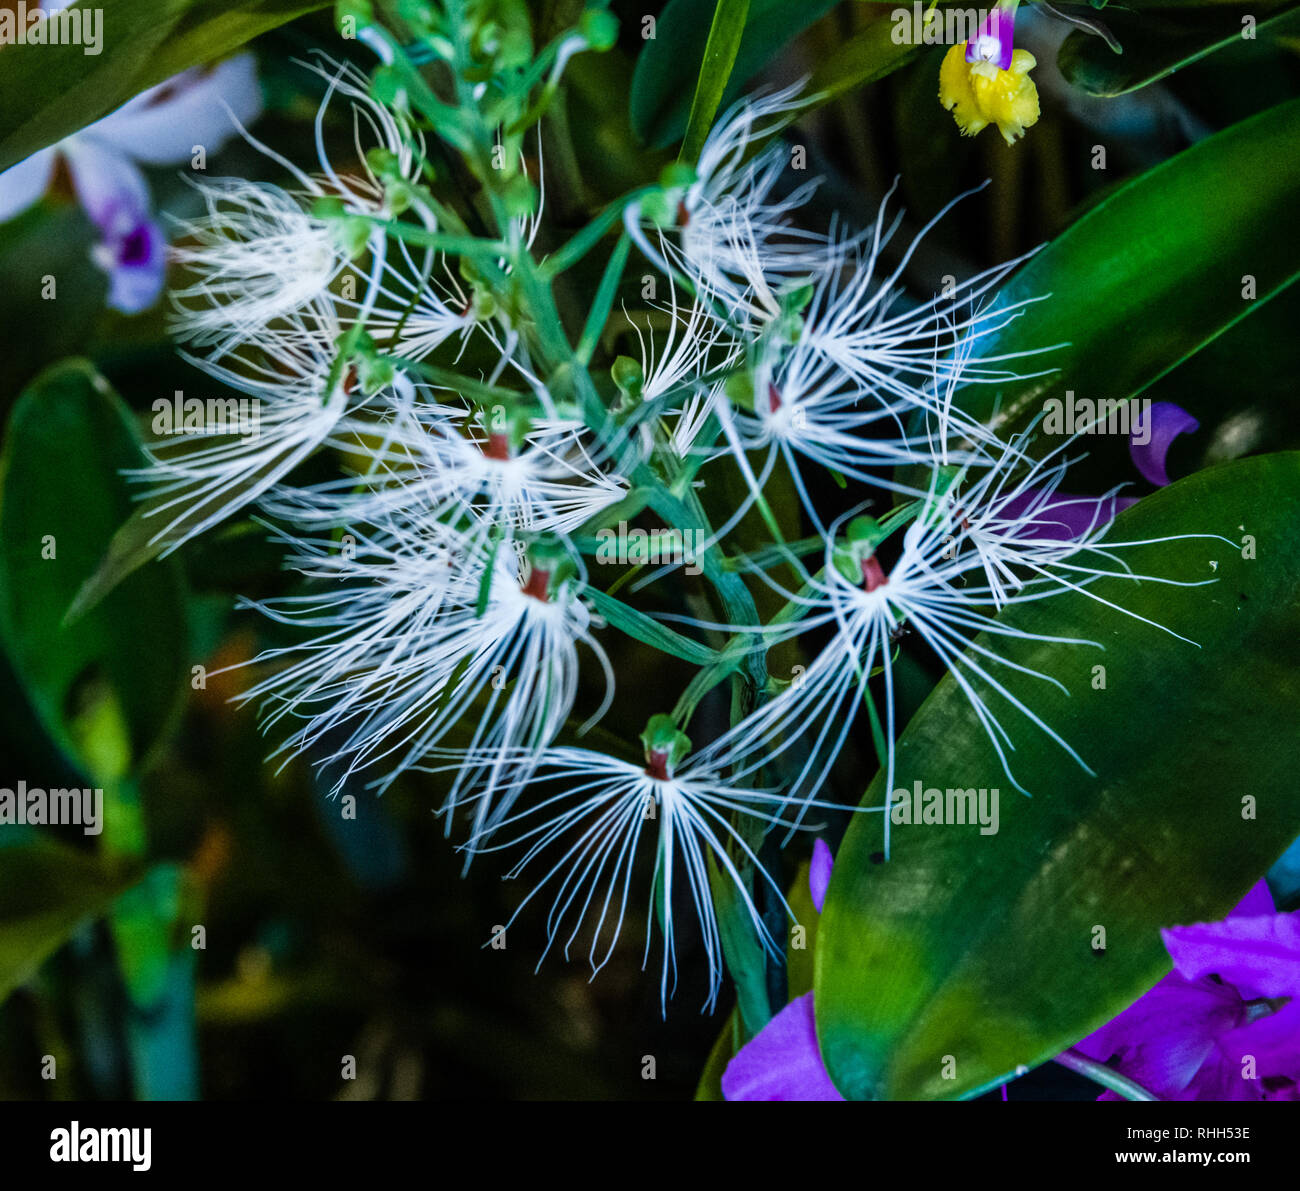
x: 325, y: 936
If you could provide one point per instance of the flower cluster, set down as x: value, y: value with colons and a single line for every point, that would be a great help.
x: 411, y: 341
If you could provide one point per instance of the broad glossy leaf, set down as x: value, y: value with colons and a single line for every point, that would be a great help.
x: 48, y: 92
x: 47, y: 890
x: 669, y: 65
x: 107, y: 687
x: 981, y: 947
x: 1153, y: 272
x: 1159, y: 43
x: 1241, y: 388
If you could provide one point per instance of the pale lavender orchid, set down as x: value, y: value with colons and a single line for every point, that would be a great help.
x: 160, y: 126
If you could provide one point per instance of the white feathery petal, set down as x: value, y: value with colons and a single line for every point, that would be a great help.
x: 580, y: 848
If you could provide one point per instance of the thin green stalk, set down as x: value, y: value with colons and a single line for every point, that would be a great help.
x: 1107, y: 1077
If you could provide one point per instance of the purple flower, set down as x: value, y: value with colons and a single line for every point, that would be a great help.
x: 133, y: 254
x: 1168, y: 421
x: 160, y: 126
x: 819, y: 873
x: 994, y: 41
x: 782, y: 1061
x: 1224, y: 1024
x: 1063, y: 518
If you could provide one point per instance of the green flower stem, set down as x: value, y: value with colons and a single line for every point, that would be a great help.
x: 1107, y: 1077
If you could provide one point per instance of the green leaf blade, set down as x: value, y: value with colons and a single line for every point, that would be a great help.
x: 108, y: 688
x: 981, y: 947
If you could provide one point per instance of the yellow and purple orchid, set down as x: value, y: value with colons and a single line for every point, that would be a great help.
x: 986, y: 79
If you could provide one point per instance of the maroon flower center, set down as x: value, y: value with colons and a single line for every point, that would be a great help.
x: 657, y: 764
x: 872, y: 574
x: 538, y: 585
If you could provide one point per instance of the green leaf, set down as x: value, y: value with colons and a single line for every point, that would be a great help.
x: 637, y: 624
x: 153, y: 526
x: 719, y: 58
x: 107, y: 688
x: 48, y: 92
x: 709, y: 1089
x: 47, y: 890
x: 744, y: 953
x: 47, y: 241
x: 1157, y: 44
x: 1153, y: 273
x: 663, y: 84
x: 868, y: 55
x: 1241, y: 388
x: 981, y: 947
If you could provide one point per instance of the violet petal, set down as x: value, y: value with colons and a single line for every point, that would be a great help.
x: 134, y: 255
x: 1166, y: 1035
x: 819, y: 873
x: 1165, y: 421
x: 782, y: 1061
x: 161, y: 126
x: 1260, y: 956
x: 107, y: 182
x: 1063, y: 517
x: 23, y: 184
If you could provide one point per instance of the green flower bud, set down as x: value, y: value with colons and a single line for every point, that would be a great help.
x: 665, y: 745
x: 383, y: 163
x: 739, y: 387
x: 677, y: 176
x: 520, y: 196
x: 865, y: 531
x: 599, y: 29
x: 629, y: 376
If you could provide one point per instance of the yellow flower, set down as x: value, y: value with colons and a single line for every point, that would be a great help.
x: 980, y: 93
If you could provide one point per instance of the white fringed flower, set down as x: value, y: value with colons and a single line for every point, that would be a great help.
x: 444, y: 463
x: 931, y: 590
x: 257, y: 256
x: 420, y: 306
x: 1011, y: 525
x: 424, y: 628
x: 958, y: 560
x: 581, y: 847
x: 287, y: 373
x: 860, y: 320
x: 732, y: 238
